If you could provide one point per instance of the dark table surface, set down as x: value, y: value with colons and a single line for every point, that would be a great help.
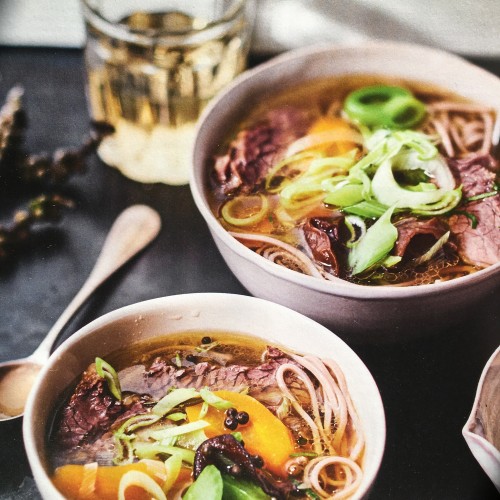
x: 427, y: 385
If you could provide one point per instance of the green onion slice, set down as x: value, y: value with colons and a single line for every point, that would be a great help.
x: 173, y: 399
x: 245, y: 210
x: 178, y: 430
x: 214, y: 400
x: 108, y: 373
x: 140, y: 480
x: 375, y: 245
x: 384, y: 106
x: 136, y: 422
x: 173, y: 466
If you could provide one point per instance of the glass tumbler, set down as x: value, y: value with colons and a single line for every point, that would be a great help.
x: 152, y: 66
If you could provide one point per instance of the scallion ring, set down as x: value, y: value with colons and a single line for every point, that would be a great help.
x: 384, y: 106
x: 403, y: 112
x: 242, y: 210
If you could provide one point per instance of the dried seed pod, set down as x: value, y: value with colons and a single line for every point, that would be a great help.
x: 38, y: 169
x: 45, y: 208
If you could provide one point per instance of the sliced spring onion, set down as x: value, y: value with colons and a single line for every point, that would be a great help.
x: 175, y: 417
x: 214, y: 400
x: 203, y: 410
x: 422, y: 143
x: 375, y: 244
x: 427, y: 256
x: 178, y: 430
x: 135, y: 422
x: 388, y: 192
x: 384, y: 106
x: 107, y: 372
x: 327, y: 137
x: 173, y: 466
x: 344, y: 195
x: 284, y: 408
x: 275, y: 172
x: 235, y: 211
x: 191, y: 440
x: 298, y: 194
x: 482, y: 196
x: 351, y: 221
x: 238, y: 436
x: 144, y: 449
x: 368, y: 209
x: 178, y: 360
x: 140, y: 480
x: 173, y: 399
x: 449, y: 201
x: 404, y: 112
x: 124, y: 452
x: 391, y: 260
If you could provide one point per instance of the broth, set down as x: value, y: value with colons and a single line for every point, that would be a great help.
x: 245, y: 399
x: 269, y: 192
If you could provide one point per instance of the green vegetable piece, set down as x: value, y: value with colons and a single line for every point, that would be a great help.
x: 208, y: 485
x: 173, y: 399
x: 375, y: 245
x: 178, y: 430
x: 241, y: 489
x: 403, y: 112
x: 108, y: 373
x: 238, y: 436
x: 214, y: 400
x: 368, y: 209
x: 384, y: 106
x: 135, y: 422
x: 346, y: 195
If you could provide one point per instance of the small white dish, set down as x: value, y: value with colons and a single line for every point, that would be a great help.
x: 482, y: 430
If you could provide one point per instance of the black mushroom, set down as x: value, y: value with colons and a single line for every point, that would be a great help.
x: 231, y: 457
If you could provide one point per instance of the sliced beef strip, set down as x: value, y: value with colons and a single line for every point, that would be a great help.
x: 476, y: 174
x: 92, y: 412
x: 479, y: 246
x: 409, y: 231
x: 255, y: 150
x: 161, y: 376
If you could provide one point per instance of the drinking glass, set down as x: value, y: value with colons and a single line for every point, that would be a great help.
x: 152, y: 66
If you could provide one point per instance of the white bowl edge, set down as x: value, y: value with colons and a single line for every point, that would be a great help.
x: 359, y: 377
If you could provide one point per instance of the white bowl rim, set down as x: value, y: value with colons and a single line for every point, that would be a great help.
x: 140, y: 308
x: 345, y: 289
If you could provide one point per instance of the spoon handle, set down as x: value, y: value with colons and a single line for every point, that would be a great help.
x: 135, y: 227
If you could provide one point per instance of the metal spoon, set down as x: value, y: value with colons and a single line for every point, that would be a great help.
x: 135, y: 227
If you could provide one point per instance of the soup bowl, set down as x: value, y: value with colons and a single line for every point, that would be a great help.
x: 358, y: 312
x: 163, y: 317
